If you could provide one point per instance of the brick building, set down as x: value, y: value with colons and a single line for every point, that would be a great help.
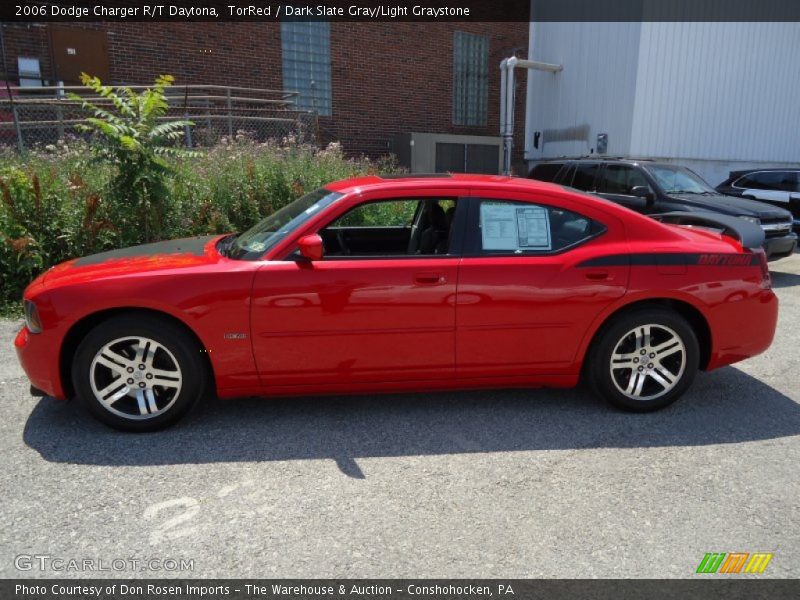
x: 369, y: 82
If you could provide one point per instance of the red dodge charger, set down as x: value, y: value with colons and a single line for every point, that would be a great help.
x: 399, y: 284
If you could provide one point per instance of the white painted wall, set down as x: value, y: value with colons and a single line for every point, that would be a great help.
x: 596, y: 88
x: 712, y: 96
x: 718, y: 91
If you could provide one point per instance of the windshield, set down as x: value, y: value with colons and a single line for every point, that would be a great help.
x: 679, y: 180
x: 271, y: 230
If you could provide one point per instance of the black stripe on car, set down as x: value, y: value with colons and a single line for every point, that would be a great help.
x: 671, y: 259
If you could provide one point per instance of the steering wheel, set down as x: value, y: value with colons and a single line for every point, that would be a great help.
x: 343, y: 247
x: 416, y: 231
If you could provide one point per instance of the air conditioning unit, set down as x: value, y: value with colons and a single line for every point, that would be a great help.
x: 446, y: 153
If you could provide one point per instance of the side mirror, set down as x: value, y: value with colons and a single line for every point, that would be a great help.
x: 311, y: 246
x: 644, y: 192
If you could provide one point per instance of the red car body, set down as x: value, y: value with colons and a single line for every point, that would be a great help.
x: 277, y: 326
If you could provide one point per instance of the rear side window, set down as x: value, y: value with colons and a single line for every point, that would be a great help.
x: 501, y: 227
x: 545, y: 171
x: 584, y: 177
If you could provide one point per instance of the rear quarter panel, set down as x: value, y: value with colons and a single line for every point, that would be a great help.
x: 714, y: 276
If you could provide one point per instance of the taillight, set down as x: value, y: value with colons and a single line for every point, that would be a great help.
x: 766, y: 280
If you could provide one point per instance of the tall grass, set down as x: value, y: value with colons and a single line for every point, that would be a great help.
x: 58, y: 202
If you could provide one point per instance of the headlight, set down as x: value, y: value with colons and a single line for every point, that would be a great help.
x: 753, y: 220
x: 32, y: 320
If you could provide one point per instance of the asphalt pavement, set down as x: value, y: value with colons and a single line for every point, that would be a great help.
x: 542, y: 483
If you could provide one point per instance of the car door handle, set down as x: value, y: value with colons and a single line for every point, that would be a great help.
x: 599, y: 276
x: 429, y: 278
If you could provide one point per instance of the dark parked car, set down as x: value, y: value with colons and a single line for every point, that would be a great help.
x: 779, y: 187
x: 651, y: 187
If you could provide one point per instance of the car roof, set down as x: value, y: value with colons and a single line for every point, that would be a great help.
x: 602, y: 159
x: 435, y: 180
x: 767, y: 169
x: 490, y: 183
x: 634, y: 162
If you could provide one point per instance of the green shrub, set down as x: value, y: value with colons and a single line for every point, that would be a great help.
x: 59, y: 202
x: 130, y: 135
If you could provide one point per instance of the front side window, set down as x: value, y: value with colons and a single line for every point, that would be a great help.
x: 768, y: 180
x: 509, y: 227
x: 306, y: 50
x: 397, y: 227
x: 745, y: 182
x: 621, y: 179
x: 470, y: 78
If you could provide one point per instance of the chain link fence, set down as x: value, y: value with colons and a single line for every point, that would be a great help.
x: 37, y: 117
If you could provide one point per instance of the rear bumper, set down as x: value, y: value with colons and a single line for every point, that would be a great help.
x: 742, y: 328
x: 780, y: 247
x: 39, y: 360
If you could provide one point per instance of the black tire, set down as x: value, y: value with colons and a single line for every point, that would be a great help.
x: 176, y: 346
x: 618, y: 333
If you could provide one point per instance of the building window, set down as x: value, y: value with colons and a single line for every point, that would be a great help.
x: 306, y: 48
x: 30, y: 74
x: 470, y: 78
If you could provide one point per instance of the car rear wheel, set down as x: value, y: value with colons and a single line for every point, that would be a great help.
x: 138, y: 374
x: 644, y: 360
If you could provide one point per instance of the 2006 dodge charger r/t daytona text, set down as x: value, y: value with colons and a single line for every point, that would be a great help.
x: 398, y: 284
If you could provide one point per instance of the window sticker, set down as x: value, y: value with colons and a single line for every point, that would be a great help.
x: 533, y: 226
x: 256, y: 247
x: 514, y: 227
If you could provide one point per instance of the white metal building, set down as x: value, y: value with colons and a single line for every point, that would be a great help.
x: 711, y: 96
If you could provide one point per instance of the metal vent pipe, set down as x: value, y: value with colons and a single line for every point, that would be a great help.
x: 507, y: 100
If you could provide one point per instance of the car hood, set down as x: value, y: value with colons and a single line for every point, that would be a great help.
x: 158, y: 256
x: 731, y: 205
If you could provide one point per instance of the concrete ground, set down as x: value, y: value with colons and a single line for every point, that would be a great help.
x: 480, y: 484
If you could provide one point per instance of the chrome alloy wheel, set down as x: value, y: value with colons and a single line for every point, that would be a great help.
x: 135, y: 378
x: 648, y: 362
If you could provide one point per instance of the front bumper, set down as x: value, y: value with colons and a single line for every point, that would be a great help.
x: 780, y: 247
x: 39, y: 359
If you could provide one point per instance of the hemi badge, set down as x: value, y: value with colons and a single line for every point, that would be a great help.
x: 235, y: 336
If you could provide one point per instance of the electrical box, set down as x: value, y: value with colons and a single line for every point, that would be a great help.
x: 447, y: 153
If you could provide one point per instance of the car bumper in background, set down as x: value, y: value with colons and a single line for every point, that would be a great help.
x: 794, y: 208
x: 780, y: 247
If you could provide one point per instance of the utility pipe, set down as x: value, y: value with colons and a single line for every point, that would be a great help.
x: 507, y: 99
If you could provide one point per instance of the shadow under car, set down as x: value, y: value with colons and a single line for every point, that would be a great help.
x: 727, y: 406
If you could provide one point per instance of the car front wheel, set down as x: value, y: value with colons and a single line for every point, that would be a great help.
x: 138, y: 373
x: 644, y: 360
